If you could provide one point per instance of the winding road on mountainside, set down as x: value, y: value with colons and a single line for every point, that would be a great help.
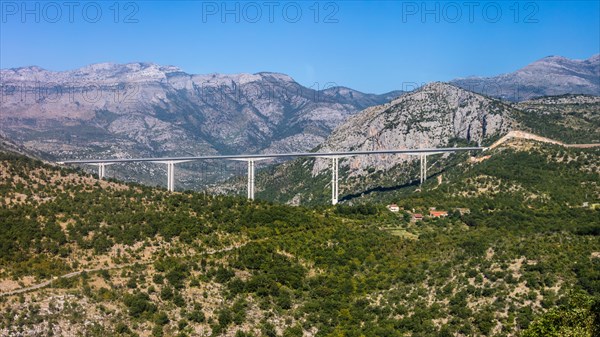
x: 531, y: 136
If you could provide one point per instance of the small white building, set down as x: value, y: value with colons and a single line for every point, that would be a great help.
x: 393, y: 208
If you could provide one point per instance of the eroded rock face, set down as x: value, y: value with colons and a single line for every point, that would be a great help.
x: 430, y: 117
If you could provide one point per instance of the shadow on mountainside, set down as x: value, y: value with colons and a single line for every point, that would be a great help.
x: 411, y: 183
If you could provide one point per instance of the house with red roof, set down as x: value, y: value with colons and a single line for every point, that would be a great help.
x: 438, y: 214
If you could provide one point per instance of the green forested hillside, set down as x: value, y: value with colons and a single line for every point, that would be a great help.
x: 142, y: 261
x: 569, y: 118
x: 522, y: 173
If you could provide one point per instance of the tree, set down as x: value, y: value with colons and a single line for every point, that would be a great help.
x: 579, y: 318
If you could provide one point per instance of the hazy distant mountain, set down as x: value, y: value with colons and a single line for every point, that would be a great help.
x: 8, y: 146
x: 552, y: 75
x: 147, y: 109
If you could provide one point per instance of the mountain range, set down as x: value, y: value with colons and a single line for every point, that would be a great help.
x: 550, y: 76
x: 148, y: 109
x: 496, y: 243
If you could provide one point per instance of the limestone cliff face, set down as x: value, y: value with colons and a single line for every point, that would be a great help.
x: 432, y: 116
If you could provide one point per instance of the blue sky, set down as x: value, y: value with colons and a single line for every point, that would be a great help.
x: 373, y: 46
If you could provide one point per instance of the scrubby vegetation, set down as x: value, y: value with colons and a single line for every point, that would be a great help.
x: 569, y: 118
x: 525, y: 259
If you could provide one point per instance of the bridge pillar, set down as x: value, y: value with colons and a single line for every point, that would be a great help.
x: 102, y: 169
x: 424, y: 168
x: 171, y: 172
x: 170, y: 176
x: 334, y: 180
x: 421, y: 169
x: 250, y: 179
x: 423, y: 158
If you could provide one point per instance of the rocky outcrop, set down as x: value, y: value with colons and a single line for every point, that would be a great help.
x: 434, y: 116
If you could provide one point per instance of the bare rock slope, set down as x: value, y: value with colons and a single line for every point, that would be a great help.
x: 430, y: 117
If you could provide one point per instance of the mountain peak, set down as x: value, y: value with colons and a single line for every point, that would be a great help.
x: 549, y: 76
x: 433, y: 116
x: 28, y: 69
x: 443, y: 88
x: 554, y: 60
x: 438, y: 86
x: 143, y: 68
x: 277, y: 76
x: 553, y: 57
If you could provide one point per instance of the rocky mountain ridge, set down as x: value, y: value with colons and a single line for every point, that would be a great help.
x: 430, y: 117
x: 549, y: 76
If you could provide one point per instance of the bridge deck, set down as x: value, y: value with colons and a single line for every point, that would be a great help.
x: 275, y: 155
